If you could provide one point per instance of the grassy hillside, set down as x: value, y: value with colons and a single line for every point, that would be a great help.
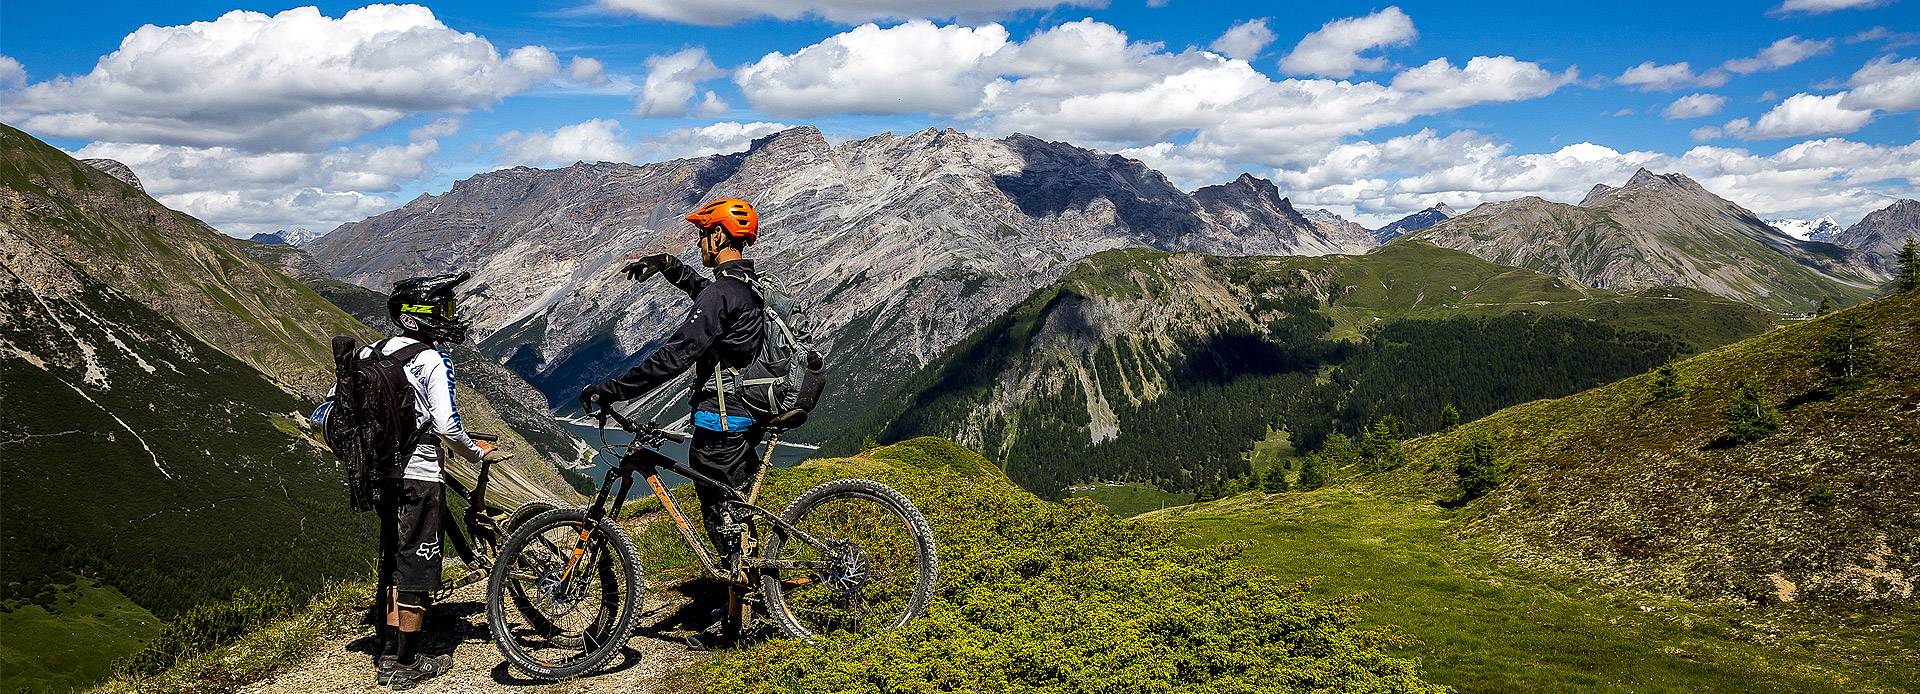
x: 1631, y: 547
x: 140, y: 458
x: 1166, y: 369
x: 1033, y: 597
x: 1631, y: 491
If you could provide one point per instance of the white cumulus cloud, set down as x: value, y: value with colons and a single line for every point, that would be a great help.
x: 915, y: 67
x: 1244, y: 40
x: 1885, y: 84
x: 673, y: 83
x: 1779, y: 54
x: 1381, y: 181
x: 1654, y: 77
x: 12, y: 74
x: 1694, y: 106
x: 294, y: 81
x: 586, y: 71
x: 1334, y: 50
x: 723, y: 12
x: 242, y: 192
x: 1824, y: 6
x: 599, y: 139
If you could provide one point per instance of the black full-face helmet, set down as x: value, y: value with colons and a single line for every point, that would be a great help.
x: 425, y: 305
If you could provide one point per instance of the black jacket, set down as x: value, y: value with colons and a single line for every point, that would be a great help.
x: 726, y: 326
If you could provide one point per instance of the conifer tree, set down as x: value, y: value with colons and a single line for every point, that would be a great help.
x: 1666, y: 382
x: 1908, y: 277
x: 1478, y: 468
x: 1847, y: 353
x: 1826, y: 305
x: 1315, y: 471
x: 1340, y: 451
x: 1449, y: 417
x: 1750, y: 416
x: 868, y: 444
x: 1275, y: 481
x: 1380, y: 446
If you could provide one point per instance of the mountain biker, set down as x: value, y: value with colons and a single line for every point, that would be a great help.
x: 410, y: 501
x: 725, y: 328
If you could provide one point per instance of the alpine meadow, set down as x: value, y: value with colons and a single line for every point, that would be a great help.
x: 1066, y: 346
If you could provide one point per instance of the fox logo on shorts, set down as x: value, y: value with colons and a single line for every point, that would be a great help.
x: 428, y: 550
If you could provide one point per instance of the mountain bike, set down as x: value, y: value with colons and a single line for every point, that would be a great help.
x: 848, y: 558
x: 476, y: 535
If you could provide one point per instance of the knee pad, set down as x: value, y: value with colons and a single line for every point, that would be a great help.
x: 413, y: 600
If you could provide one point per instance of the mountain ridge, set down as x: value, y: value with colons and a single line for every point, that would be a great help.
x: 921, y: 236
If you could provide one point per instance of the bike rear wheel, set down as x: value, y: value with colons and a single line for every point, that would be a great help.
x: 582, y: 583
x: 873, y: 569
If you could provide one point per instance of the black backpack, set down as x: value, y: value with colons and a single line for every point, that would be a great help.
x: 371, y: 428
x: 785, y: 379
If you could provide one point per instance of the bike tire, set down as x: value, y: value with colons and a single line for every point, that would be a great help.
x: 623, y: 563
x: 927, y: 560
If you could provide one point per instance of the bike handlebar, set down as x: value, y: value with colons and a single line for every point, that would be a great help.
x: 645, y: 430
x: 482, y: 437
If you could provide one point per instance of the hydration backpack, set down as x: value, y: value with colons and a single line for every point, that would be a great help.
x: 371, y: 426
x: 785, y: 379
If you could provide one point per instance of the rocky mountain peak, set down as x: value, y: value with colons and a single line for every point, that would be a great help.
x: 117, y: 170
x: 1434, y: 214
x: 1883, y: 232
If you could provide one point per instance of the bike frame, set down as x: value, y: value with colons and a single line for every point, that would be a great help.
x: 642, y: 458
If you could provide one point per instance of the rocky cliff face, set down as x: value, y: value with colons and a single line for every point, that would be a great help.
x: 1436, y: 214
x: 903, y: 244
x: 1883, y: 232
x: 1659, y: 230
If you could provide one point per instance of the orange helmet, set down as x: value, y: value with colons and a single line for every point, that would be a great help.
x: 731, y: 215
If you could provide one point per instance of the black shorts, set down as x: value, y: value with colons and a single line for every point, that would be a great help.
x: 410, y: 548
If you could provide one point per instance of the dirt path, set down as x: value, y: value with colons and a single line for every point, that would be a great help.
x: 652, y: 661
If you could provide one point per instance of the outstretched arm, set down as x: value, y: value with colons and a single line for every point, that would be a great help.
x: 680, y: 351
x: 687, y: 279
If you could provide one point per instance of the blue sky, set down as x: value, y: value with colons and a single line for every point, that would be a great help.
x: 1800, y: 109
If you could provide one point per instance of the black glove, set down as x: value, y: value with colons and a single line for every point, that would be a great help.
x: 639, y: 269
x: 594, y: 398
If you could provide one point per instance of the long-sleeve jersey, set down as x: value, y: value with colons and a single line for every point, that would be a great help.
x: 725, y: 326
x: 431, y: 374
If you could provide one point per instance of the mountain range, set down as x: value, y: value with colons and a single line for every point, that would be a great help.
x: 919, y: 238
x: 1883, y: 232
x: 1661, y: 230
x: 1822, y: 229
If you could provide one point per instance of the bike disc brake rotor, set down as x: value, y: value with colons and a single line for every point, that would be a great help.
x: 556, y: 597
x: 847, y: 573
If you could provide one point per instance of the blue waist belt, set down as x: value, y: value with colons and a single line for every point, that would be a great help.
x: 711, y: 422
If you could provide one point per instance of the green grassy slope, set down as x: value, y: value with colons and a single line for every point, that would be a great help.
x: 135, y: 454
x: 1105, y: 374
x: 1631, y: 549
x: 1033, y: 597
x: 59, y: 644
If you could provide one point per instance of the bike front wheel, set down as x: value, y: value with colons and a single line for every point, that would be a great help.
x: 865, y: 564
x: 574, y: 586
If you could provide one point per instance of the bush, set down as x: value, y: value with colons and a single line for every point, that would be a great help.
x: 1478, y: 469
x: 1751, y: 417
x: 1666, y: 382
x: 1316, y: 470
x: 1275, y: 481
x: 205, y: 627
x: 1847, y: 353
x: 1038, y: 596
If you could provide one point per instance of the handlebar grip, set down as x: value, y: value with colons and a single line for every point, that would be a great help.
x: 673, y: 436
x: 483, y: 437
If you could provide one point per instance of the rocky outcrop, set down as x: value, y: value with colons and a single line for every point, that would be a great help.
x: 1659, y: 230
x: 902, y: 243
x: 117, y: 170
x: 1436, y: 214
x: 1883, y: 232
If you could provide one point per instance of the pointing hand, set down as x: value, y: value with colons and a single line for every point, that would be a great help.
x: 643, y: 267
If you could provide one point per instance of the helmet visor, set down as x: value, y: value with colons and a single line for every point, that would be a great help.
x: 442, y: 310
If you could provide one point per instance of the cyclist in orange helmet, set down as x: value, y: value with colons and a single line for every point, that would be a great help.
x: 725, y: 328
